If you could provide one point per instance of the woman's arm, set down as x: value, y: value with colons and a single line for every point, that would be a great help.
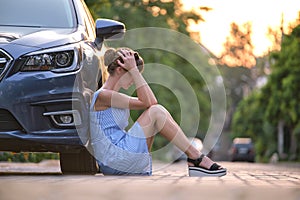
x: 145, y: 97
x: 110, y: 98
x: 144, y: 92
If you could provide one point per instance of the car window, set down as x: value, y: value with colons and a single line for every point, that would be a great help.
x: 37, y: 13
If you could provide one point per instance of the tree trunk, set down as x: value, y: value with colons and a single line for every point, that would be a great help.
x: 293, y: 147
x: 280, y: 141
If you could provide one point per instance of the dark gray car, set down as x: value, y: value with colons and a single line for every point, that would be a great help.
x: 242, y: 149
x: 50, y: 56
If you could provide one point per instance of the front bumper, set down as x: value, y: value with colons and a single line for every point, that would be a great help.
x: 30, y: 108
x: 67, y: 141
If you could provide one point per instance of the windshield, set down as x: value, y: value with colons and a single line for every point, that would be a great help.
x: 37, y: 13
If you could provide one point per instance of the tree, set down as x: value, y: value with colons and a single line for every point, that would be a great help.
x: 238, y: 84
x: 238, y: 48
x: 146, y: 13
x: 274, y: 36
x: 282, y: 89
x: 235, y: 65
x: 249, y: 121
x: 274, y: 112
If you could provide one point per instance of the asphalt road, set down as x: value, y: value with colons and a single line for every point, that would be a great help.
x: 44, y: 181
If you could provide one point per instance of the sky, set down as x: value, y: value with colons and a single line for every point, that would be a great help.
x: 262, y: 14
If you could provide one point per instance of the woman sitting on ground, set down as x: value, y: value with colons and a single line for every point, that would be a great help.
x: 121, y: 152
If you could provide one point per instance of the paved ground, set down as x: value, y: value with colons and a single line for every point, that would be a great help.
x: 243, y: 181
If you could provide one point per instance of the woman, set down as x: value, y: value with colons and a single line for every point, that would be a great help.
x: 121, y: 152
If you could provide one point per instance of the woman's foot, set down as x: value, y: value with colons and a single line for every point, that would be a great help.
x: 204, y: 166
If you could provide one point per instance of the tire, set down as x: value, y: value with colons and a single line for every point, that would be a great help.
x: 78, y: 163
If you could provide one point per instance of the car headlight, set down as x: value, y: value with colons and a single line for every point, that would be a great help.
x: 57, y: 61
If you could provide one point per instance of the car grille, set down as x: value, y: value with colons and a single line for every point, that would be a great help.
x: 8, y: 122
x: 5, y: 60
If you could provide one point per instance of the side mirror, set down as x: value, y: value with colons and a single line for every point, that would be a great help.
x: 107, y: 29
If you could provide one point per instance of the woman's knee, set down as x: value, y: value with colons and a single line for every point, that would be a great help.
x: 158, y: 111
x: 153, y: 119
x: 155, y: 113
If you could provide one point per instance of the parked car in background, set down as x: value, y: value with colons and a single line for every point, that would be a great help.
x: 49, y: 67
x: 242, y: 149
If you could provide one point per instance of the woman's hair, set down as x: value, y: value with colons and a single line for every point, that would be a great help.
x: 111, y: 56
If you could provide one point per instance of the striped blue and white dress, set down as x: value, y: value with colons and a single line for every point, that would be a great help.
x: 117, y: 151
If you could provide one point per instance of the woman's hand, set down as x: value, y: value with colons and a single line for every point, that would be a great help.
x: 146, y: 98
x: 128, y: 58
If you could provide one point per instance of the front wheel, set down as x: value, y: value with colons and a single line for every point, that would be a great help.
x: 78, y: 163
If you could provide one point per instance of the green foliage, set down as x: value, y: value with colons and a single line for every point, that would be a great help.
x: 284, y: 81
x: 27, y: 157
x: 258, y: 115
x: 146, y: 13
x: 247, y: 120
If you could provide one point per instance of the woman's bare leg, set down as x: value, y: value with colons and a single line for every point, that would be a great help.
x: 158, y: 119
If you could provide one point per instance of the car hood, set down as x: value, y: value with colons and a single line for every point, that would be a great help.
x: 39, y: 38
